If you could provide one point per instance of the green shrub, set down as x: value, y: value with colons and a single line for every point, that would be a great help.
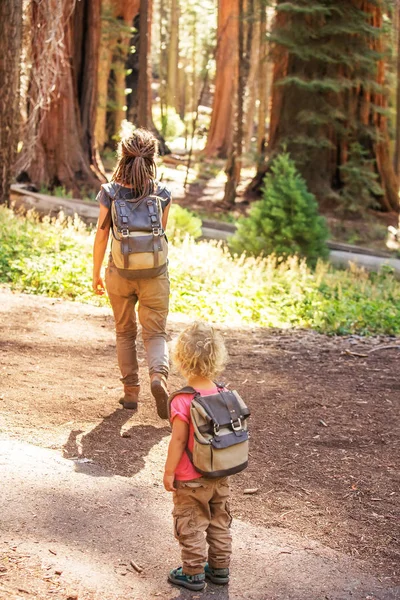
x: 54, y: 257
x: 286, y: 221
x: 182, y: 223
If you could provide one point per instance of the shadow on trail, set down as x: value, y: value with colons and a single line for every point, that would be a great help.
x: 216, y: 592
x: 103, y: 452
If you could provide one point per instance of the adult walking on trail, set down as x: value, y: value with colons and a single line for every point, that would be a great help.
x: 134, y: 207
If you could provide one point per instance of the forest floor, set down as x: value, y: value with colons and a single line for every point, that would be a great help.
x: 81, y: 479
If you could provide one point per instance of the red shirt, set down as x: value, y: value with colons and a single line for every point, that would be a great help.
x: 180, y: 409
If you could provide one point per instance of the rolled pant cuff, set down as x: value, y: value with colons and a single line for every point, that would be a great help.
x: 161, y: 370
x: 130, y: 380
x: 219, y: 565
x: 193, y: 570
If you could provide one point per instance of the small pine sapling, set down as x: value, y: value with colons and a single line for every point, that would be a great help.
x: 286, y: 221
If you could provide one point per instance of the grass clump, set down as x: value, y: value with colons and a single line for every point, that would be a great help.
x: 53, y: 257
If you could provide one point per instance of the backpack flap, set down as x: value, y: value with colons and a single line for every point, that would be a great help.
x: 225, y: 409
x: 229, y: 439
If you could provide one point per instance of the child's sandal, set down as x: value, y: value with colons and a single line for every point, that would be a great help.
x: 218, y: 576
x: 191, y: 582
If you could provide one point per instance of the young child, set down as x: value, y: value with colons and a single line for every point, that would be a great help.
x: 201, y: 506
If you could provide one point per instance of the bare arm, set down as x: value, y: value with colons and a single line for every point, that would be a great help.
x: 165, y: 216
x: 99, y: 250
x: 176, y: 448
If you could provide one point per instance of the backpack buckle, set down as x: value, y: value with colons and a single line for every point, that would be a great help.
x: 237, y: 425
x: 216, y: 429
x: 125, y: 232
x: 157, y: 231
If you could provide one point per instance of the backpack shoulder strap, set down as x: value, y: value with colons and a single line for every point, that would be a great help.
x: 111, y: 190
x: 185, y: 390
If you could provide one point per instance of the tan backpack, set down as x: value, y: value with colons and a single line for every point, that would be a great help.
x: 139, y: 241
x: 221, y: 440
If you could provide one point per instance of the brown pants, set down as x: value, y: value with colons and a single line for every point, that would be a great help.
x: 153, y: 297
x: 201, y: 514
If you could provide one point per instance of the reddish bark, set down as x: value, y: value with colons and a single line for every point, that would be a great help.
x: 220, y: 134
x: 64, y: 150
x: 321, y: 166
x: 10, y: 48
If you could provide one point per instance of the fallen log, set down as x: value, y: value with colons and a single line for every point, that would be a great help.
x: 44, y: 204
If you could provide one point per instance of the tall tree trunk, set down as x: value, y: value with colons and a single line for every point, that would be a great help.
x: 220, y: 134
x: 182, y: 87
x: 317, y: 111
x: 117, y: 19
x: 144, y: 82
x: 139, y: 80
x: 253, y: 77
x: 163, y: 67
x: 245, y: 36
x: 173, y: 56
x: 264, y: 84
x: 397, y: 141
x: 105, y: 59
x: 10, y: 52
x: 62, y: 150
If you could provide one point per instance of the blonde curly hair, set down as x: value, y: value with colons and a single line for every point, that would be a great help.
x: 199, y: 350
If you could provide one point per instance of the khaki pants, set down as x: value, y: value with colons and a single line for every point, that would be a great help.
x: 201, y: 514
x: 153, y: 297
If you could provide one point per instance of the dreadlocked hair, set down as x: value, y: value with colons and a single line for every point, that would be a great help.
x: 136, y: 167
x: 200, y: 350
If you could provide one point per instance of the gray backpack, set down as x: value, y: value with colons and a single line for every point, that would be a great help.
x: 139, y: 242
x: 221, y: 440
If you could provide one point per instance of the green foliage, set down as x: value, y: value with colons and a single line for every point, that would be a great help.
x: 54, y: 258
x: 170, y: 123
x: 182, y: 223
x: 360, y: 181
x: 49, y: 258
x: 58, y: 190
x: 286, y: 221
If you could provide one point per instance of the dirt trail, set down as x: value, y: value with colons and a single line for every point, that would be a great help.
x: 81, y: 492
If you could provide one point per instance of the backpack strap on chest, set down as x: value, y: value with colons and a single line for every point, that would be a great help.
x: 156, y: 227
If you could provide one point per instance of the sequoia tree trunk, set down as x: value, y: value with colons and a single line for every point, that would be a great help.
x: 10, y: 52
x: 245, y: 37
x: 104, y: 68
x: 144, y: 81
x: 253, y: 83
x: 397, y: 137
x: 264, y: 84
x: 317, y: 110
x: 117, y: 19
x: 62, y: 151
x: 219, y: 138
x: 139, y: 80
x: 173, y: 56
